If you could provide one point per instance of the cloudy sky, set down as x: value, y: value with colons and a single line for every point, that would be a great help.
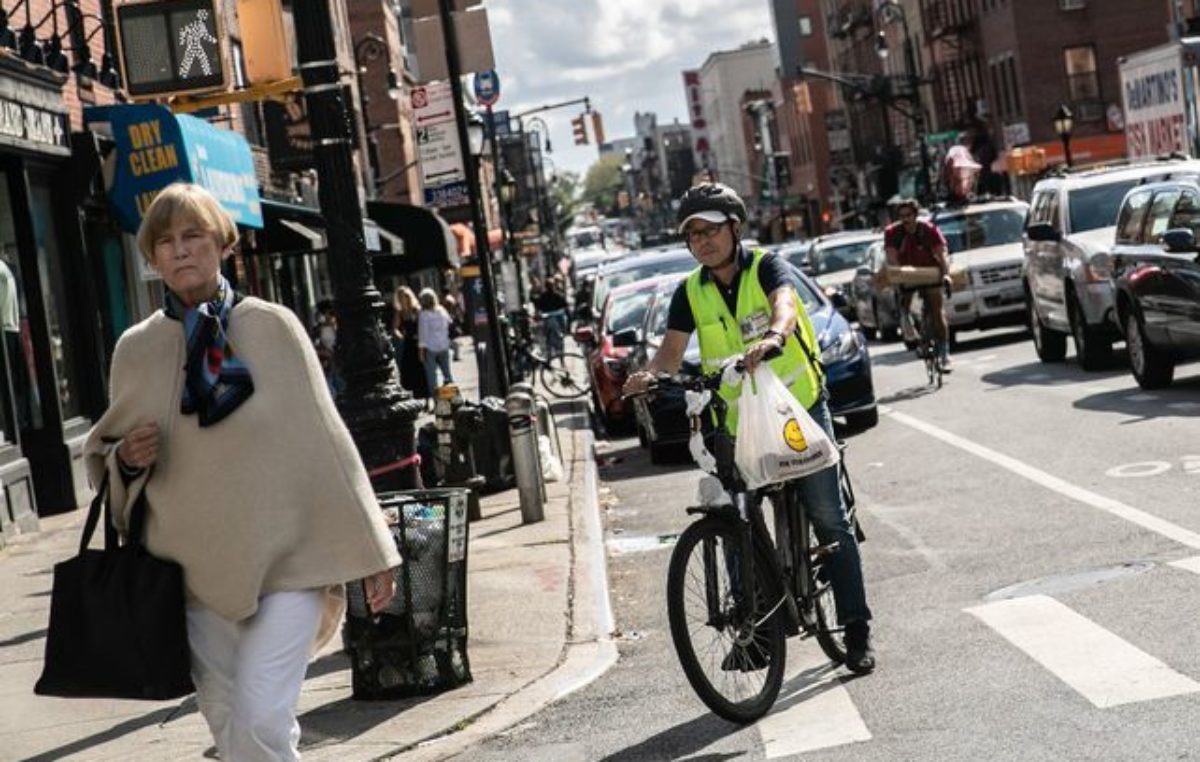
x: 626, y: 55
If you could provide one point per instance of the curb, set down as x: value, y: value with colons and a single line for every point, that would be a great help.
x: 589, y: 650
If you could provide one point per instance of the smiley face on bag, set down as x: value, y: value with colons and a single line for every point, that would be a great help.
x: 794, y: 436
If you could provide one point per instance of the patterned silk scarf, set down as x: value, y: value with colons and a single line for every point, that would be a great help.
x: 215, y: 379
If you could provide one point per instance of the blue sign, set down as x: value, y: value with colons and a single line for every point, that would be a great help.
x: 500, y: 124
x: 156, y: 148
x: 487, y: 87
x: 448, y: 195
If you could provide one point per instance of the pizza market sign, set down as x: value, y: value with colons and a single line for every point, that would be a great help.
x: 27, y: 126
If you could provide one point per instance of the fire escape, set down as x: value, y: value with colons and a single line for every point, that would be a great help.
x: 956, y: 68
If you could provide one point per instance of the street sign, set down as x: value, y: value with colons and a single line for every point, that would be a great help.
x: 500, y: 124
x: 487, y: 87
x: 439, y: 153
x: 432, y: 104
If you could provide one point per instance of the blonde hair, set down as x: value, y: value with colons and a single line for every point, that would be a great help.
x: 191, y: 202
x: 405, y: 302
x: 429, y: 300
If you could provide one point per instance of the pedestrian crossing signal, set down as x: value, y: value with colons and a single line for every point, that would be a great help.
x: 580, y: 129
x: 171, y: 47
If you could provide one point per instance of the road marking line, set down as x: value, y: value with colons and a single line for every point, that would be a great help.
x: 814, y: 710
x: 1188, y: 564
x: 1103, y: 668
x: 1049, y: 481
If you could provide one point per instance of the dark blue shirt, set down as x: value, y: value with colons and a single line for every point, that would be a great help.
x: 772, y: 274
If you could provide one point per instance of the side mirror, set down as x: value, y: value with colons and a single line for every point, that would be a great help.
x: 585, y: 334
x: 1179, y: 240
x: 630, y: 337
x: 1043, y: 232
x: 839, y: 301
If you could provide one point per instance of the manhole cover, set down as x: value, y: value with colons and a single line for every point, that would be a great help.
x: 1065, y: 583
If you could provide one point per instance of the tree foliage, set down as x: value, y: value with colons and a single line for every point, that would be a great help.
x: 603, y: 181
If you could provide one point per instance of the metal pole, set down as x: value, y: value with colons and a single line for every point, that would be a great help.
x: 918, y: 108
x: 496, y: 353
x: 1066, y: 141
x: 377, y: 411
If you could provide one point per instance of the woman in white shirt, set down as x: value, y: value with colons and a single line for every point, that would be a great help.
x: 433, y: 339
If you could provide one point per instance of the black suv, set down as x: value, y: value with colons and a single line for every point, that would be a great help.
x: 1156, y: 277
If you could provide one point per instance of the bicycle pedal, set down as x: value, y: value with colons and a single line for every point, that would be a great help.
x: 823, y: 552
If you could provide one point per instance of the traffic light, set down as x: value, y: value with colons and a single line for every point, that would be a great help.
x: 169, y: 47
x: 598, y: 127
x: 580, y: 130
x: 265, y: 47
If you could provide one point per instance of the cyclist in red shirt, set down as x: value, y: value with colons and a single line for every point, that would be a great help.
x: 910, y: 241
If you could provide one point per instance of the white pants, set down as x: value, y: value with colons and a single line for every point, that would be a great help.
x: 248, y: 674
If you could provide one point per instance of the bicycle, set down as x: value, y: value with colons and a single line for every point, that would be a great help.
x: 730, y: 585
x: 926, y: 344
x: 563, y: 375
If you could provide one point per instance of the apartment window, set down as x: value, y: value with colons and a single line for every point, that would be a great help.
x: 805, y: 26
x: 1083, y: 81
x: 1003, y: 72
x: 1010, y: 71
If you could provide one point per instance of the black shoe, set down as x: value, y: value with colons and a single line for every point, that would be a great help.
x: 744, y: 659
x: 860, y: 657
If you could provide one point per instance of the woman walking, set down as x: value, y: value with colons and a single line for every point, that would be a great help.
x: 405, y: 311
x: 220, y: 414
x: 433, y: 338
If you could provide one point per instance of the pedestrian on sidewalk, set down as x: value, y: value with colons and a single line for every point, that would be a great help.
x: 405, y: 312
x: 220, y: 414
x: 433, y: 338
x: 454, y: 310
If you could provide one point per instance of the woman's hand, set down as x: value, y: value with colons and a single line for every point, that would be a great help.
x: 139, y: 448
x: 380, y: 589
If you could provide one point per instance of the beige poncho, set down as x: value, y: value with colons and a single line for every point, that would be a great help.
x: 272, y: 498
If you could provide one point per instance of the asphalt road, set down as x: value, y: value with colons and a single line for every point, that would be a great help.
x: 1032, y: 559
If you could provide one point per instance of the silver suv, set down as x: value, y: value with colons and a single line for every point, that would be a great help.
x: 1068, y: 238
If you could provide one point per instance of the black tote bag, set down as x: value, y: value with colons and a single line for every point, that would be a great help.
x: 118, y: 628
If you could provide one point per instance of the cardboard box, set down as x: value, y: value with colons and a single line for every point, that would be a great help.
x: 907, y: 275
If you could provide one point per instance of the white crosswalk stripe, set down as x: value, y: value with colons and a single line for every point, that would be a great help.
x: 1105, y: 669
x: 814, y: 710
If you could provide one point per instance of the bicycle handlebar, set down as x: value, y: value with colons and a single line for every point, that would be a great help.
x: 710, y: 381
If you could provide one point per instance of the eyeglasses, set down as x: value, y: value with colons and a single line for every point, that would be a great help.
x: 701, y: 233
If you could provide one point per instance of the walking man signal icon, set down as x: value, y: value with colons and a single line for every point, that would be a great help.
x: 192, y: 38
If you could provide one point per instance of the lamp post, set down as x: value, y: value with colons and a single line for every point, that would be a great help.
x: 1064, y: 125
x: 506, y: 186
x: 370, y: 48
x: 887, y: 12
x: 377, y: 411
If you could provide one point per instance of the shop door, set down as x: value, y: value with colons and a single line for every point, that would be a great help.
x: 22, y: 411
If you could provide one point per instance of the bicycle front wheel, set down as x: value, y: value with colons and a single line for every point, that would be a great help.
x: 825, y: 604
x: 733, y: 654
x: 565, y: 376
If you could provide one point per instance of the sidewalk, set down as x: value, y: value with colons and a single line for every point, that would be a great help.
x: 538, y: 614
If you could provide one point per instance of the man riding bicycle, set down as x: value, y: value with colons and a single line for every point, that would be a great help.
x: 910, y: 241
x: 743, y: 302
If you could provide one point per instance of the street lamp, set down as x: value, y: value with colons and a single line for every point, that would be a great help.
x: 370, y: 48
x: 888, y: 12
x: 1064, y: 125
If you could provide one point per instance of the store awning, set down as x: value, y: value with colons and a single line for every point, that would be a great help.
x: 427, y: 239
x: 155, y: 148
x: 291, y: 229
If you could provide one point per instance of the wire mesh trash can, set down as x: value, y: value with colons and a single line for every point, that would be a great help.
x: 418, y: 644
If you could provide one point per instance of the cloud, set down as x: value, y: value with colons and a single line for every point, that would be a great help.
x: 627, y: 56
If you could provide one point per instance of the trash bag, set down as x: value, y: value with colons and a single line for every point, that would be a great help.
x: 552, y: 468
x: 777, y: 440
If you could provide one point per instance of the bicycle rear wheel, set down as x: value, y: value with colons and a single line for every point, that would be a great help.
x: 824, y: 604
x: 733, y: 655
x: 565, y: 376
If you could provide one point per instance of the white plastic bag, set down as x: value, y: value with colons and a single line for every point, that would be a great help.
x: 552, y: 468
x: 777, y: 440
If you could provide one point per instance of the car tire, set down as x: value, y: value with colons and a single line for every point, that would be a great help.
x: 1152, y: 368
x: 863, y: 419
x: 1051, y: 345
x: 1093, y: 349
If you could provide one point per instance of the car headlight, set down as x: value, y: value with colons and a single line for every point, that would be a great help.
x: 843, y: 347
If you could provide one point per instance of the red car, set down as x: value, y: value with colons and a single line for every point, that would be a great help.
x: 608, y: 345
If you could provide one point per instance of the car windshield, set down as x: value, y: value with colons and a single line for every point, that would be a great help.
x: 843, y: 256
x: 1096, y: 207
x: 627, y: 310
x: 974, y: 231
x: 582, y: 239
x: 808, y: 294
x: 640, y: 272
x: 656, y: 325
x: 797, y: 255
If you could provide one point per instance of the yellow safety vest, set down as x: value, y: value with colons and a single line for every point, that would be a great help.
x: 723, y: 336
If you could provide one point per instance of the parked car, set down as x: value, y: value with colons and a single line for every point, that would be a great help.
x: 876, y: 306
x: 638, y: 266
x: 1156, y: 273
x: 624, y: 308
x: 844, y: 355
x: 1068, y: 238
x: 834, y: 259
x: 795, y: 252
x: 985, y: 240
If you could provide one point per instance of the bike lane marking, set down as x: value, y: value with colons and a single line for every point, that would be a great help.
x: 1102, y: 667
x: 1116, y: 508
x: 814, y: 710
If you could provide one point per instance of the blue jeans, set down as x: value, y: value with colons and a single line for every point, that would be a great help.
x: 433, y: 361
x: 821, y: 495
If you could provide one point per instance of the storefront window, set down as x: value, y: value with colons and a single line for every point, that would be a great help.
x: 62, y: 343
x: 18, y: 382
